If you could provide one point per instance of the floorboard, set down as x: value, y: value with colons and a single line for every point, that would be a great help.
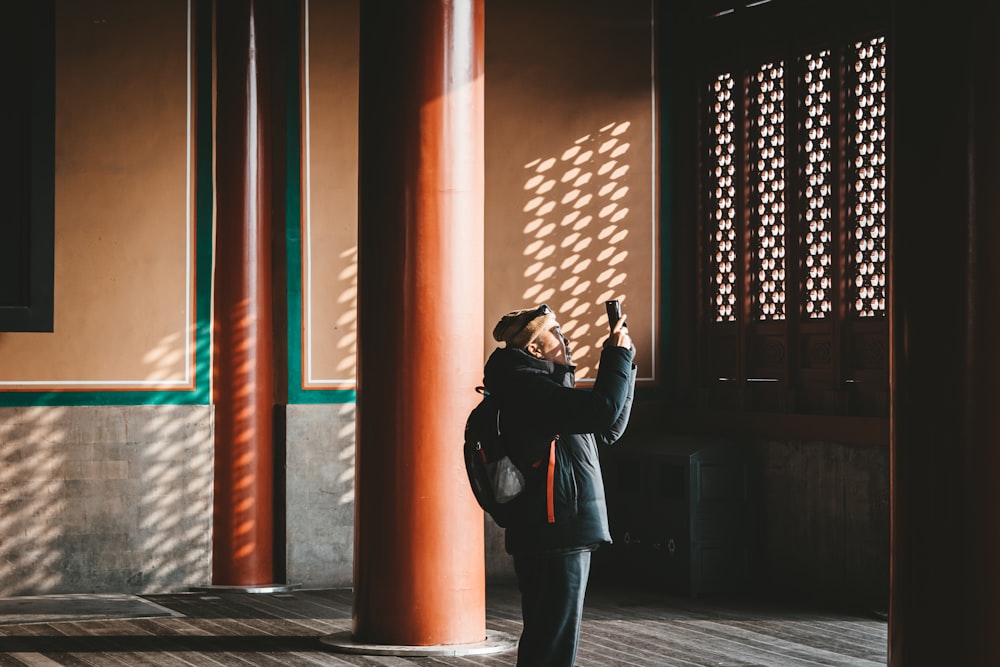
x: 621, y: 627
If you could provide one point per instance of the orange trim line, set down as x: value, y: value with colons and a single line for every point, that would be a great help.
x: 550, y: 500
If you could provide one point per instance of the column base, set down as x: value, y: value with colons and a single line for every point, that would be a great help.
x: 495, y: 642
x: 256, y: 588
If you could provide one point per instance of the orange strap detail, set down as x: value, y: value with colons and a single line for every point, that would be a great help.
x: 550, y: 500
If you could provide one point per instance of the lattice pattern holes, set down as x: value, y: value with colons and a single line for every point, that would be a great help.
x: 722, y: 204
x: 817, y: 194
x: 766, y: 113
x: 867, y: 181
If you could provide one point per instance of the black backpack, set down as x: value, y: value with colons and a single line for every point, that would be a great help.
x: 496, y: 482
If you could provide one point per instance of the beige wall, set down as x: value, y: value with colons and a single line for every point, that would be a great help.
x: 571, y: 152
x: 330, y: 194
x: 571, y: 198
x: 571, y: 169
x: 124, y: 241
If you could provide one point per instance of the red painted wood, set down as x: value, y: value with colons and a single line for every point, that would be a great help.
x: 945, y: 583
x: 419, y: 576
x: 243, y: 532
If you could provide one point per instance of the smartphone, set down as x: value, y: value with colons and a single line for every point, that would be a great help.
x: 614, y: 309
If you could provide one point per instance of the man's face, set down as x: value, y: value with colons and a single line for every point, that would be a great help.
x: 552, y: 346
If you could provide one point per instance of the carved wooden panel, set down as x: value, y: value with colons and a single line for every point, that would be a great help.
x: 795, y: 221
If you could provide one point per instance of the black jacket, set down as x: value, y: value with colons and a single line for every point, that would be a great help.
x: 564, y: 509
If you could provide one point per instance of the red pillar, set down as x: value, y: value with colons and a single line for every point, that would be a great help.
x: 945, y: 579
x: 419, y: 573
x: 243, y: 549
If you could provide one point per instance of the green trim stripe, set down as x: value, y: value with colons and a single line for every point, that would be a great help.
x: 297, y: 394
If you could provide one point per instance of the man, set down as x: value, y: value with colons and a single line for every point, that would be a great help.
x: 553, y: 430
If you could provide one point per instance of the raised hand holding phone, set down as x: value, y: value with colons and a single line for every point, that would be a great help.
x: 614, y: 308
x: 616, y: 323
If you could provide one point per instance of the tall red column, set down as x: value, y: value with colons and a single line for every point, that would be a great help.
x: 243, y: 549
x: 945, y: 583
x: 419, y: 572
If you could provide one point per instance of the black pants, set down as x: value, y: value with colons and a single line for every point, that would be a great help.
x: 552, y: 592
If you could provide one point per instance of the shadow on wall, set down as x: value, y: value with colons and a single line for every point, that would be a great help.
x: 175, y: 454
x: 347, y: 322
x: 105, y: 499
x: 330, y: 326
x: 319, y: 464
x: 577, y: 205
x: 30, y: 529
x: 345, y: 469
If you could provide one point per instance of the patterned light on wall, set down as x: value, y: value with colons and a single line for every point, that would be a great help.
x: 766, y: 143
x: 722, y: 198
x: 575, y: 249
x: 817, y: 194
x: 867, y: 177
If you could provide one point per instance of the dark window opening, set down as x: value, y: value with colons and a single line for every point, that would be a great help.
x: 27, y: 180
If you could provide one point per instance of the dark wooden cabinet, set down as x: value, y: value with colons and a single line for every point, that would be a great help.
x: 684, y: 516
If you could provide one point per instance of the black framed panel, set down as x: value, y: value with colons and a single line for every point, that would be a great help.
x: 27, y: 180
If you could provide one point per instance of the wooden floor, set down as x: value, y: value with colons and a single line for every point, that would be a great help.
x: 621, y: 627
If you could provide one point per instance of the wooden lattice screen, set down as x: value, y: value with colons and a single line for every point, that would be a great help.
x: 794, y: 221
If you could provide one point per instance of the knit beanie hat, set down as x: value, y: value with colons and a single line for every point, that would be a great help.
x: 519, y: 327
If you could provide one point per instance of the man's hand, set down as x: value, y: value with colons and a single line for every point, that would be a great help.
x: 619, y: 336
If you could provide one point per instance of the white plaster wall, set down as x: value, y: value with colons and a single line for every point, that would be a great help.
x: 105, y: 499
